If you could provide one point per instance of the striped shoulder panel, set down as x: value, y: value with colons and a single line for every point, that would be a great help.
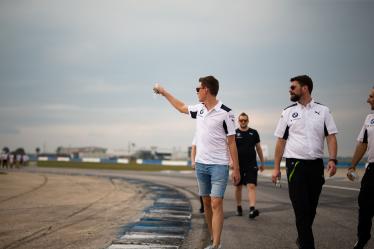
x: 290, y: 106
x: 225, y: 108
x: 365, y: 139
x: 319, y: 103
x: 193, y: 114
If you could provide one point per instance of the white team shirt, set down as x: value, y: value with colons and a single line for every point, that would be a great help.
x: 305, y: 128
x: 212, y: 129
x: 367, y: 136
x: 194, y: 140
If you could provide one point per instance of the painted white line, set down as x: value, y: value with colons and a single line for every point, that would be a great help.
x: 325, y: 185
x: 186, y: 172
x: 150, y: 246
x: 167, y: 211
x: 171, y: 201
x: 167, y: 216
x: 151, y: 236
x: 338, y: 187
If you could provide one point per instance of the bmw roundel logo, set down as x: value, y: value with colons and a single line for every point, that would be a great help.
x: 201, y: 111
x: 372, y: 121
x: 295, y: 115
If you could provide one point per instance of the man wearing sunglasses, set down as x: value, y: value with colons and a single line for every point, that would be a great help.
x: 215, y: 140
x: 300, y: 133
x: 248, y: 143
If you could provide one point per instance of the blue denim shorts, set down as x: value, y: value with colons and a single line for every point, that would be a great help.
x: 212, y: 179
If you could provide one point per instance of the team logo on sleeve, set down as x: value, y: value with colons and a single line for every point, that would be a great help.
x: 201, y: 111
x: 372, y: 121
x: 295, y: 115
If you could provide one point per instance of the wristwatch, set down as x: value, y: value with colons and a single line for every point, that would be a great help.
x: 334, y: 160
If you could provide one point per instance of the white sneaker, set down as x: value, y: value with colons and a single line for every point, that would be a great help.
x: 212, y: 247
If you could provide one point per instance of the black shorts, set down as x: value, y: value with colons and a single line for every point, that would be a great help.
x: 248, y: 176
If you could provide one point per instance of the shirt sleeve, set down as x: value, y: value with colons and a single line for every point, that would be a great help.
x: 330, y: 127
x: 257, y: 137
x: 362, y: 136
x: 192, y: 110
x: 229, y: 124
x: 282, y: 128
x: 194, y: 140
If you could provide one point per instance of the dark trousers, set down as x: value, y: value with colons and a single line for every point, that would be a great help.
x: 305, y: 180
x: 366, y: 204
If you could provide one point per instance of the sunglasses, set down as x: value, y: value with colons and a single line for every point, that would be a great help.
x: 198, y: 89
x: 292, y: 87
x: 243, y: 120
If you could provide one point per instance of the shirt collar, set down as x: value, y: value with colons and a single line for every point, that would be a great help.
x: 218, y: 106
x: 310, y: 105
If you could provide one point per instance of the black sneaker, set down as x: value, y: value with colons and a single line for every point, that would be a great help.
x: 201, y: 210
x: 253, y: 213
x: 359, y: 245
x: 239, y: 211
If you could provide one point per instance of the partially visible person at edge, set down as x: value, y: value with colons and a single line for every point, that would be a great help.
x: 300, y: 133
x: 215, y: 140
x: 248, y: 143
x: 193, y: 164
x: 365, y: 142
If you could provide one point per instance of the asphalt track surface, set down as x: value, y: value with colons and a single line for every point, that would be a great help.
x: 334, y: 227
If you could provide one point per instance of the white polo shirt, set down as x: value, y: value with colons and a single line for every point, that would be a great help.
x: 367, y: 136
x: 194, y: 140
x: 212, y: 129
x: 305, y: 128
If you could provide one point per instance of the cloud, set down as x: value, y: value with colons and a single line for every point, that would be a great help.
x: 80, y: 70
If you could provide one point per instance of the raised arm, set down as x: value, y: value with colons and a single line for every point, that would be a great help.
x: 177, y: 104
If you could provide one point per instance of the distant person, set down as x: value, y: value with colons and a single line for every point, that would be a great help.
x: 215, y: 140
x: 25, y: 159
x: 366, y: 196
x: 11, y: 159
x: 5, y: 157
x: 18, y: 160
x: 193, y: 164
x: 1, y: 159
x: 300, y: 133
x: 248, y: 143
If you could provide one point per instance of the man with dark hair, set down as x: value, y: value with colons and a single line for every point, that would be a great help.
x: 304, y: 80
x: 211, y: 83
x: 366, y: 196
x: 248, y: 143
x: 300, y: 133
x: 215, y: 140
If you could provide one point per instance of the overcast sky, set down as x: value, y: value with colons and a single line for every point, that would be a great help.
x: 80, y: 73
